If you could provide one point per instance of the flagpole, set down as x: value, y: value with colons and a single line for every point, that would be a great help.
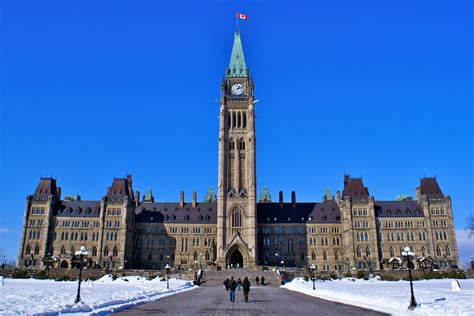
x: 237, y: 23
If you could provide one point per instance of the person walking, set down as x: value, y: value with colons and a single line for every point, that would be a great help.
x: 263, y: 280
x: 246, y: 288
x: 226, y: 284
x: 239, y: 284
x: 257, y: 280
x: 232, y: 287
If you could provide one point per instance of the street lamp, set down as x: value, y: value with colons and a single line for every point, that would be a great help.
x: 282, y: 265
x: 82, y: 258
x: 167, y: 269
x: 313, y: 268
x: 409, y: 255
x: 276, y: 255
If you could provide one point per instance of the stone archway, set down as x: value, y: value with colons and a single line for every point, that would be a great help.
x: 237, y: 257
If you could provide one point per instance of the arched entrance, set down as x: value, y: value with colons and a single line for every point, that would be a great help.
x: 236, y: 259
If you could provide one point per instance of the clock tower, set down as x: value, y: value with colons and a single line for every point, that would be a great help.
x: 236, y: 201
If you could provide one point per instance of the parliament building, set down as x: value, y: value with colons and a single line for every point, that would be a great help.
x: 235, y: 228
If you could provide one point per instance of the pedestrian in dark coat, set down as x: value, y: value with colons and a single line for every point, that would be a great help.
x: 239, y: 283
x: 232, y: 287
x: 226, y: 284
x: 257, y: 280
x: 246, y: 289
x: 263, y: 280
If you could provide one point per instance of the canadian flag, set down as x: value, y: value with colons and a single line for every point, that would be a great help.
x: 242, y: 16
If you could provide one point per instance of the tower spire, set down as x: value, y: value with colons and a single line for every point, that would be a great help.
x: 237, y: 67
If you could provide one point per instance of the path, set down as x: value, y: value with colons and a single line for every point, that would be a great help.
x: 212, y: 299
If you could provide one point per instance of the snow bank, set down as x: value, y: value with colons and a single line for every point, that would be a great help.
x: 36, y: 297
x: 434, y: 297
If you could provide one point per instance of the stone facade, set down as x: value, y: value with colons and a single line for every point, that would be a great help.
x: 349, y: 231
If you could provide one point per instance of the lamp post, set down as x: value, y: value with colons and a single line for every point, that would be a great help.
x: 282, y: 265
x: 409, y: 255
x: 82, y: 257
x: 167, y: 269
x: 276, y: 255
x: 313, y: 268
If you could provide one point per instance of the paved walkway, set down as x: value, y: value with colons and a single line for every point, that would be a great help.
x: 268, y: 300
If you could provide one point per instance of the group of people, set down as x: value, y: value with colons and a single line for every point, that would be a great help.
x: 231, y: 285
x: 257, y: 280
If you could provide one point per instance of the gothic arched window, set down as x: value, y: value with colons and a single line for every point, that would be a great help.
x: 195, y: 256
x: 94, y: 251
x: 438, y: 251
x: 448, y: 251
x: 106, y: 251
x: 358, y: 252
x: 236, y: 218
x: 27, y: 250
x: 313, y: 256
x: 115, y: 252
x: 325, y: 255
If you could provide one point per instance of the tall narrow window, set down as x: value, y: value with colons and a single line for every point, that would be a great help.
x: 94, y: 251
x: 233, y: 120
x: 115, y: 252
x: 245, y: 119
x: 238, y: 120
x: 358, y: 252
x: 236, y: 218
x: 438, y: 251
x: 313, y: 256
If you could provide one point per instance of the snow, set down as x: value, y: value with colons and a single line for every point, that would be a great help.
x: 104, y: 296
x: 434, y: 297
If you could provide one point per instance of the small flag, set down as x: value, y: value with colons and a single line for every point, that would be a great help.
x: 242, y: 16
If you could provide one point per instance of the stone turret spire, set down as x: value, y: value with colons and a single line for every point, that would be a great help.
x: 237, y: 67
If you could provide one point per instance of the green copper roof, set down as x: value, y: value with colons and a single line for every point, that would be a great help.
x: 264, y: 196
x: 210, y: 196
x: 148, y: 196
x: 328, y: 195
x: 237, y: 65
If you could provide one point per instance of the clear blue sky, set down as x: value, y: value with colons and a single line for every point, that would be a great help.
x: 93, y: 89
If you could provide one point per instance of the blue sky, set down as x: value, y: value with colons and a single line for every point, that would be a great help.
x: 93, y: 89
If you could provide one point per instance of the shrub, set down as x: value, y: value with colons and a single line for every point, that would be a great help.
x: 41, y: 275
x: 306, y: 278
x: 21, y: 274
x: 333, y: 276
x: 347, y: 274
x: 361, y: 275
x: 114, y: 277
x: 62, y: 278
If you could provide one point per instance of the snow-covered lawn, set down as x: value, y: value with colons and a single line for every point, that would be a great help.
x: 434, y: 297
x: 30, y: 296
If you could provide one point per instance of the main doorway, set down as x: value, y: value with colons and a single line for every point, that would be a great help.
x: 236, y: 259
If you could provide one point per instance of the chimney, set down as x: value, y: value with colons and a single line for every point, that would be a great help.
x: 194, y: 199
x: 137, y: 198
x: 346, y: 179
x: 293, y: 199
x: 181, y: 199
x: 280, y: 198
x: 58, y: 193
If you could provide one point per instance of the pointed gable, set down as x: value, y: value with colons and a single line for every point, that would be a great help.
x: 237, y: 65
x: 430, y: 188
x: 45, y: 188
x: 354, y: 187
x: 120, y: 188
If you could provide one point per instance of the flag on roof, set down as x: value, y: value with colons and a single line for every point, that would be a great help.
x: 241, y: 16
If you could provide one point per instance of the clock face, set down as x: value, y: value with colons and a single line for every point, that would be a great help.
x: 237, y: 89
